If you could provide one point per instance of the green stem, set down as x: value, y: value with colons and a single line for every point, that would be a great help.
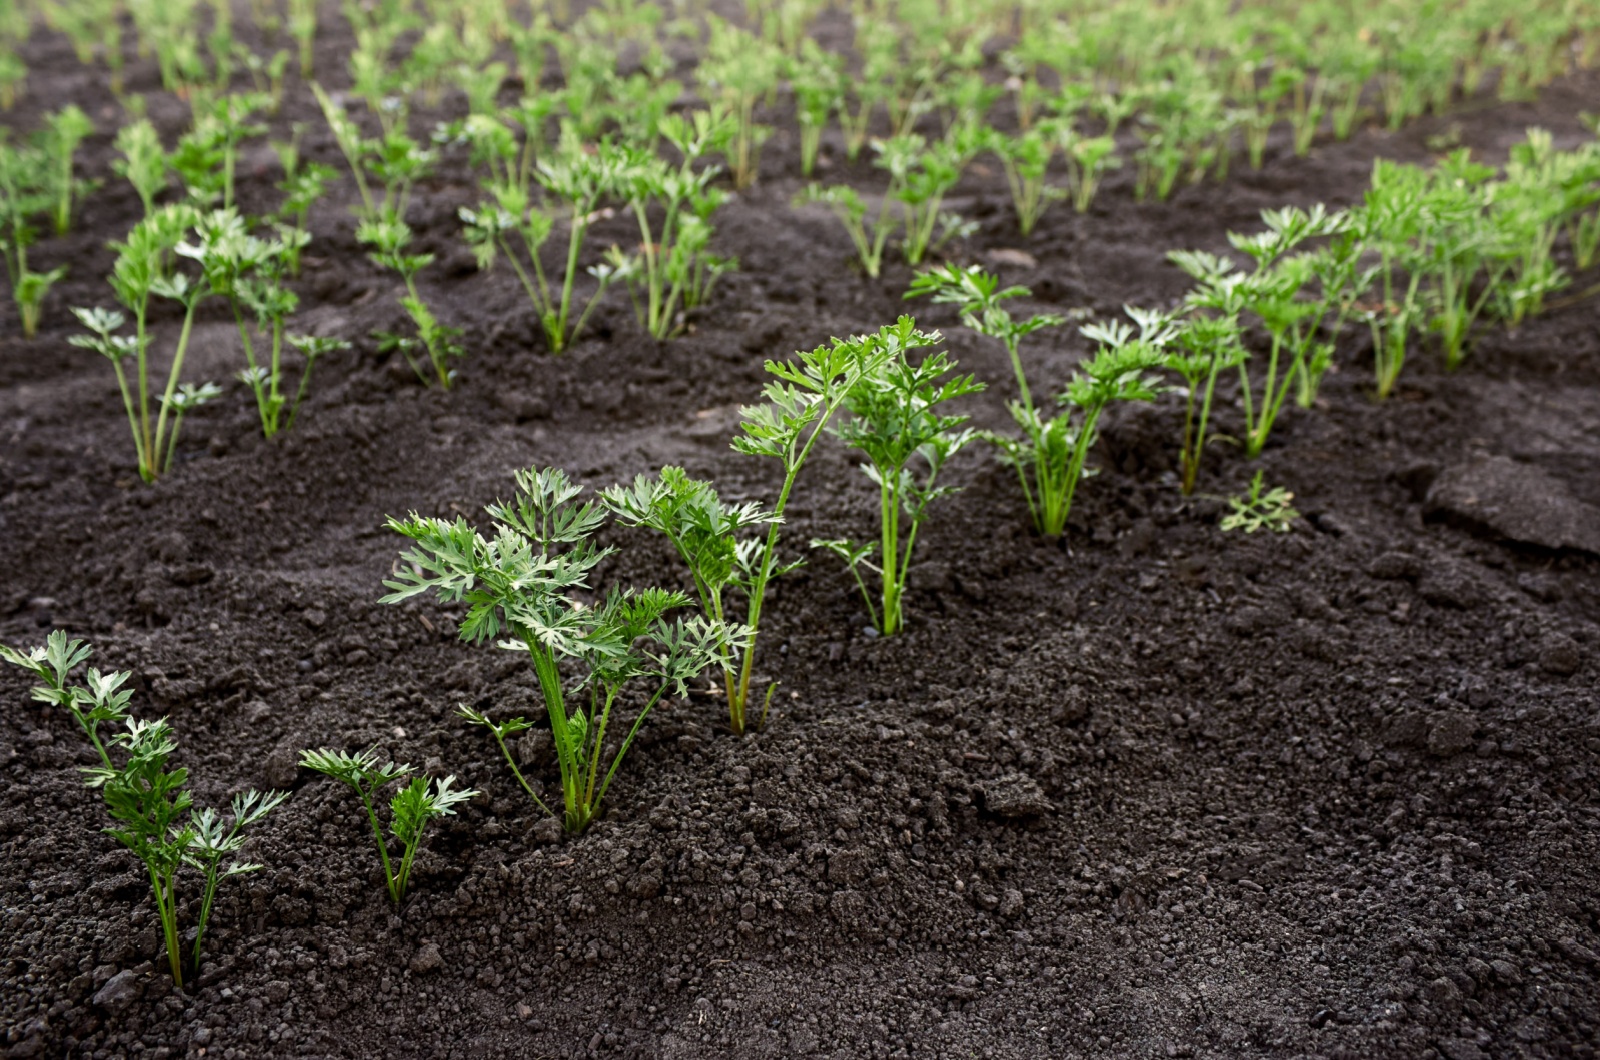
x: 517, y: 772
x: 383, y: 848
x: 889, y: 506
x: 205, y: 911
x: 169, y: 924
x: 574, y: 242
x: 133, y: 422
x: 172, y: 385
x: 250, y: 359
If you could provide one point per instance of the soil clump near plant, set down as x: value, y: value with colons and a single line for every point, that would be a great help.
x: 1158, y: 791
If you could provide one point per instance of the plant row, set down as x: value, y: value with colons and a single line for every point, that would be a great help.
x: 1437, y: 251
x: 1187, y: 83
x: 526, y: 583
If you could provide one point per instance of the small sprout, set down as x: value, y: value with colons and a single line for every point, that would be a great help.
x: 27, y: 191
x: 145, y: 268
x: 1260, y: 511
x: 388, y: 237
x: 146, y: 799
x: 64, y: 131
x: 706, y: 534
x: 102, y: 699
x: 215, y: 839
x: 411, y: 809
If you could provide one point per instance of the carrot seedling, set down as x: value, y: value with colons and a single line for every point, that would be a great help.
x: 1203, y: 348
x: 1257, y: 510
x: 26, y: 193
x: 522, y: 582
x: 411, y: 809
x: 154, y: 814
x: 143, y: 163
x: 144, y: 269
x: 895, y: 421
x: 705, y: 532
x: 808, y: 391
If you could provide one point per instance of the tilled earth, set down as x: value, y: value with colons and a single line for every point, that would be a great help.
x: 1156, y: 791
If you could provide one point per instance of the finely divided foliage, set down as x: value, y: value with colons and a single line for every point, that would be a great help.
x: 896, y: 422
x: 521, y: 583
x: 154, y: 814
x: 417, y: 804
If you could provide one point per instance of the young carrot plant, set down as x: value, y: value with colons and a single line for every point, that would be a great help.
x: 63, y: 132
x: 1392, y: 221
x: 303, y: 184
x: 388, y: 239
x: 662, y: 276
x: 1119, y: 371
x: 801, y: 403
x: 412, y: 808
x: 216, y: 838
x: 1088, y: 159
x: 1272, y: 292
x: 25, y: 194
x: 102, y: 699
x: 1049, y: 457
x: 1204, y: 347
x: 1542, y: 188
x: 921, y: 175
x: 706, y: 533
x: 154, y: 815
x: 249, y: 272
x: 143, y: 163
x: 521, y: 582
x: 143, y: 270
x: 151, y: 807
x: 741, y: 69
x: 1257, y: 510
x: 385, y: 168
x: 895, y: 420
x: 869, y: 238
x: 1468, y: 258
x: 1344, y: 275
x: 575, y: 178
x: 817, y: 79
x: 1026, y: 160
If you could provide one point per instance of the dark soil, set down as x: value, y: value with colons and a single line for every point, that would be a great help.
x: 1161, y: 791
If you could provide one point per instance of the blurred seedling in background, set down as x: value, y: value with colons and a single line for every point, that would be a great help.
x: 1258, y: 510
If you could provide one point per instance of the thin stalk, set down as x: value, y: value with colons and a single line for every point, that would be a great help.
x: 628, y: 740
x: 146, y: 439
x: 1080, y: 452
x: 172, y: 442
x: 250, y: 359
x: 1022, y: 378
x: 138, y: 440
x: 169, y: 927
x: 758, y: 593
x: 383, y: 848
x: 172, y: 381
x: 205, y: 911
x: 599, y: 742
x: 889, y: 505
x: 504, y: 750
x: 574, y: 242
